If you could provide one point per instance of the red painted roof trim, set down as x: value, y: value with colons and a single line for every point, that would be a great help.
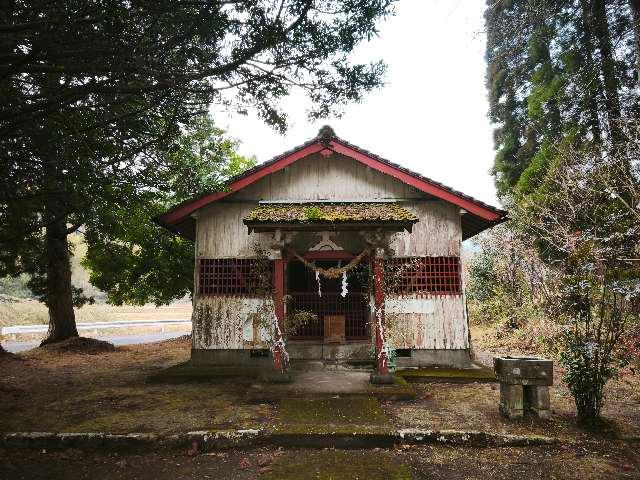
x: 416, y: 182
x: 423, y: 184
x: 188, y: 208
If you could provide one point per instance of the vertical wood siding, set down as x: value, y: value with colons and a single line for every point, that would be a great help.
x: 432, y: 323
x: 221, y: 233
x: 427, y: 323
x: 229, y: 322
x: 437, y: 233
x: 327, y: 178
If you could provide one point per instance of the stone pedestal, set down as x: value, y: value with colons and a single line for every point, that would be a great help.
x: 524, y: 385
x: 537, y: 401
x: 511, y: 401
x: 382, y: 378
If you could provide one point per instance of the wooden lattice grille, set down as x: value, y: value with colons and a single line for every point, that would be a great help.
x: 354, y: 307
x: 424, y: 275
x: 231, y: 276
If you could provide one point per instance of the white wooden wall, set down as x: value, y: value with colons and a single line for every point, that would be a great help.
x: 221, y: 233
x: 437, y: 233
x: 437, y: 322
x: 328, y: 178
x: 231, y: 325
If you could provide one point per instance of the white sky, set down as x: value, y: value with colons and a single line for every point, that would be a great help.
x: 430, y: 117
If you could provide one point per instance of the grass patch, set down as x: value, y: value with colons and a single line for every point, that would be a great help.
x: 31, y: 312
x: 332, y: 411
x: 338, y: 465
x: 442, y: 374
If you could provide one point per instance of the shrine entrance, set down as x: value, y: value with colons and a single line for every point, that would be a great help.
x: 335, y: 313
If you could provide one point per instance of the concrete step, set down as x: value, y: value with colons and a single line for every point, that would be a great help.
x: 307, y: 366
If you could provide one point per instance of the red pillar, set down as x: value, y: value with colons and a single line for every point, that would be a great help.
x: 378, y: 295
x: 278, y: 302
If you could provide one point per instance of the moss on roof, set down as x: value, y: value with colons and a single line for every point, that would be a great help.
x: 329, y: 213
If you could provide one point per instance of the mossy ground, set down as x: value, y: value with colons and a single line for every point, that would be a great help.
x: 45, y: 390
x: 399, y: 390
x: 332, y: 415
x: 447, y: 374
x: 65, y: 392
x: 339, y: 465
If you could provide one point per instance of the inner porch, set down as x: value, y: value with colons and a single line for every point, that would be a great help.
x: 338, y: 316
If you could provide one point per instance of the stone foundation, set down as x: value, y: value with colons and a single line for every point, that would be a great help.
x: 346, y: 352
x: 440, y: 358
x: 230, y: 357
x: 333, y: 352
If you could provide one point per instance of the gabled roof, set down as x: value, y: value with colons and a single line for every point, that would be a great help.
x: 478, y: 217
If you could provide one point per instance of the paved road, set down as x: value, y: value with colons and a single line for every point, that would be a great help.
x: 116, y: 340
x: 14, y: 329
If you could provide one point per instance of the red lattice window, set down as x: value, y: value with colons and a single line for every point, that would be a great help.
x: 231, y: 276
x: 424, y: 275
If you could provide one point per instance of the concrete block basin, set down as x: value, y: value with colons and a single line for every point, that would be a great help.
x: 523, y: 370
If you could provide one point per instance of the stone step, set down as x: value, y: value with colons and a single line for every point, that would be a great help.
x: 307, y: 366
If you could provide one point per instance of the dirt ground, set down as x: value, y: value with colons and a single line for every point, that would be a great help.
x: 45, y: 390
x: 417, y: 463
x: 474, y: 406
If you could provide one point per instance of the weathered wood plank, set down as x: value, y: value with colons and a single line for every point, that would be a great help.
x: 436, y: 322
x: 228, y: 322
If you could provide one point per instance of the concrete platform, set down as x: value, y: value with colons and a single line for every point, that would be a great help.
x: 328, y: 383
x: 306, y: 380
x: 475, y: 373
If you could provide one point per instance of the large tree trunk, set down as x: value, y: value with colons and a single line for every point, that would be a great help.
x: 635, y: 12
x: 59, y: 293
x: 590, y: 78
x: 62, y: 320
x: 607, y: 66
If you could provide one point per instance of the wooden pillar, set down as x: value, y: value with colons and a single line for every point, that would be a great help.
x: 378, y: 294
x: 278, y: 302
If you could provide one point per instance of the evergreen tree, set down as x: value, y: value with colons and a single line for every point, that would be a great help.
x: 93, y: 93
x: 134, y: 260
x: 559, y: 71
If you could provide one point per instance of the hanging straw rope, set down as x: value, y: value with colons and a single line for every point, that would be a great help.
x: 333, y: 272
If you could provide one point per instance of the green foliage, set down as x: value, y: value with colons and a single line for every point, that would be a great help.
x: 510, y: 290
x: 586, y: 374
x: 584, y: 221
x: 96, y: 95
x: 559, y: 98
x: 552, y: 72
x: 313, y: 213
x: 136, y: 261
x: 16, y: 287
x: 297, y: 319
x: 532, y: 176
